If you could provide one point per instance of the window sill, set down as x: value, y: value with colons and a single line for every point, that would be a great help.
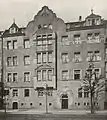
x: 77, y: 62
x: 26, y: 64
x: 26, y: 81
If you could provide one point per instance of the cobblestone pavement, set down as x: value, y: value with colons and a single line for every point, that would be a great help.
x: 33, y: 111
x: 51, y: 117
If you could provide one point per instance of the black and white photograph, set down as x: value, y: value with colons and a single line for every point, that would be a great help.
x: 53, y: 60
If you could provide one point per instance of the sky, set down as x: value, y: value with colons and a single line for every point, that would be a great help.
x: 24, y: 11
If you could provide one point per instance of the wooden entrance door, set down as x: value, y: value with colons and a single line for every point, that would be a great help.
x: 65, y: 101
x: 15, y: 105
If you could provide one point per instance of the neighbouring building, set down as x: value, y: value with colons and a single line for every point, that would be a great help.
x: 54, y: 55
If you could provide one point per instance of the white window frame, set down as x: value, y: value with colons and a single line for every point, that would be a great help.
x: 26, y: 45
x: 16, y: 93
x: 80, y: 74
x: 77, y: 39
x: 66, y: 76
x: 97, y: 55
x: 39, y: 71
x: 15, y: 62
x: 39, y: 58
x: 27, y: 78
x: 65, y: 57
x: 65, y: 40
x: 9, y: 79
x: 9, y: 45
x: 27, y: 60
x: 15, y: 76
x: 15, y: 44
x: 77, y: 57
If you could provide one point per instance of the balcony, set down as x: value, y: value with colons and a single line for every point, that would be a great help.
x: 42, y: 84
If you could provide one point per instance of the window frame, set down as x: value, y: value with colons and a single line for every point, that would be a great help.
x: 9, y: 45
x: 26, y: 92
x: 66, y: 76
x: 15, y: 93
x: 27, y: 60
x: 28, y: 76
x: 15, y: 44
x: 24, y: 43
x: 15, y: 78
x: 15, y: 62
x: 79, y: 74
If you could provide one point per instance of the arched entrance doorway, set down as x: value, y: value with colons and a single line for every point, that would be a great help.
x: 64, y: 101
x: 15, y: 105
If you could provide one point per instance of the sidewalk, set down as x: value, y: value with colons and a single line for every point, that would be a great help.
x: 73, y: 112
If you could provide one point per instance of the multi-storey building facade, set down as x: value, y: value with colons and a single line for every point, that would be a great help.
x: 51, y: 55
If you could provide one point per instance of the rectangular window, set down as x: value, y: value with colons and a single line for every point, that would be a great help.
x: 65, y: 75
x: 80, y: 93
x: 106, y: 66
x: 90, y: 56
x: 65, y: 58
x: 15, y: 93
x: 77, y: 74
x: 77, y: 57
x: 44, y: 57
x: 97, y: 55
x: 26, y: 60
x: 9, y: 77
x: 27, y: 77
x: 106, y: 51
x: 50, y: 42
x: 39, y: 42
x: 39, y: 58
x: 97, y: 72
x: 50, y: 75
x: 26, y: 92
x: 44, y: 37
x: 50, y: 57
x: 65, y: 40
x: 44, y: 75
x: 86, y: 92
x: 14, y: 44
x: 97, y: 37
x: 9, y: 46
x: 89, y: 36
x: 40, y: 92
x: 15, y: 77
x: 44, y: 42
x: 26, y: 43
x: 77, y: 39
x: 39, y: 75
x: 9, y: 61
x: 14, y: 60
x: 50, y: 92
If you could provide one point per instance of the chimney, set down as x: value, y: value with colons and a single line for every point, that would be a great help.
x: 80, y: 18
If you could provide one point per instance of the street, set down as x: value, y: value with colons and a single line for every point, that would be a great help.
x: 51, y: 117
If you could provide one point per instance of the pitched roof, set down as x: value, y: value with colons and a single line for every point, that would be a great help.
x: 92, y: 15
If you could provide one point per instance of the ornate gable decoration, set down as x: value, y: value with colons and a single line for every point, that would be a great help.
x: 45, y: 11
x: 13, y: 28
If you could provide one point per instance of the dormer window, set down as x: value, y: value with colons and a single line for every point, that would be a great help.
x: 93, y: 21
x: 13, y: 30
x: 89, y: 22
x: 97, y: 21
